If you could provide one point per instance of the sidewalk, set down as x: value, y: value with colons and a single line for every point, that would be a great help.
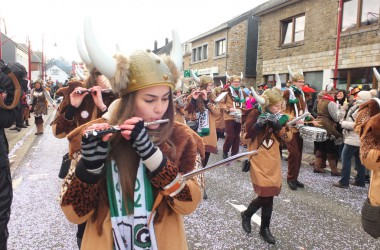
x: 21, y: 142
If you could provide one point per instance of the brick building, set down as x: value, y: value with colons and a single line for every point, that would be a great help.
x: 303, y: 34
x: 231, y: 47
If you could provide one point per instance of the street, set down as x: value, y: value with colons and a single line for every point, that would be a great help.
x: 316, y: 217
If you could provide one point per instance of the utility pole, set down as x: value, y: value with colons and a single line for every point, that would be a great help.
x: 29, y: 61
x: 339, y: 27
x: 43, y: 59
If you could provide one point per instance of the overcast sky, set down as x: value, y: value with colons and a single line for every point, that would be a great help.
x: 133, y: 25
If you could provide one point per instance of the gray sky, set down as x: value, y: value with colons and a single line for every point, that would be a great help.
x: 133, y: 25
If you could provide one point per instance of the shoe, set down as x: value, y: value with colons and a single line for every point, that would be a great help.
x: 292, y: 185
x: 23, y: 126
x: 299, y: 184
x: 338, y: 173
x: 267, y: 236
x: 319, y: 171
x: 339, y: 185
x: 205, y: 195
x: 16, y: 128
x: 354, y: 183
x: 246, y: 222
x: 225, y: 155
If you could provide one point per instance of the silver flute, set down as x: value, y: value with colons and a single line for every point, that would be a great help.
x: 89, y: 91
x: 115, y: 129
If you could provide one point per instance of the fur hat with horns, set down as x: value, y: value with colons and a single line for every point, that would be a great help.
x: 269, y: 97
x: 139, y: 70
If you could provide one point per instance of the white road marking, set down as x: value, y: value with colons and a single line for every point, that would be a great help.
x: 255, y: 218
x: 16, y: 182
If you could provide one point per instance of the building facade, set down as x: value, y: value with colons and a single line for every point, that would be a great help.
x: 303, y: 34
x: 228, y: 47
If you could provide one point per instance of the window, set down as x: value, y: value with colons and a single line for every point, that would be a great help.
x: 293, y: 30
x: 360, y: 13
x: 199, y: 53
x: 220, y: 47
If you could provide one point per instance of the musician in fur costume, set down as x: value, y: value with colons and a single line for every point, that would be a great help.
x: 136, y: 170
x: 265, y: 127
x: 232, y: 105
x: 329, y: 115
x: 294, y: 105
x: 368, y: 126
x: 202, y: 107
x: 79, y: 107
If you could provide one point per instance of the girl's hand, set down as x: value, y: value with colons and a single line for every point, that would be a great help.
x: 128, y: 126
x: 76, y: 99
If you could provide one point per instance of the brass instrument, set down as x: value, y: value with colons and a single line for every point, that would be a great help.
x: 17, y: 93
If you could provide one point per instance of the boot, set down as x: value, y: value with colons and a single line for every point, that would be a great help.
x: 246, y: 217
x: 40, y: 129
x: 266, y: 215
x: 333, y: 166
x: 27, y: 123
x: 205, y: 194
x: 319, y: 162
x: 225, y: 155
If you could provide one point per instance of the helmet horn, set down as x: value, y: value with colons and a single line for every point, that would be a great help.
x: 258, y: 98
x: 103, y: 62
x: 377, y: 74
x: 291, y: 74
x: 278, y: 81
x: 82, y: 51
x: 196, y: 78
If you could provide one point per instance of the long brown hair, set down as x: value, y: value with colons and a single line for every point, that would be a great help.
x: 126, y: 158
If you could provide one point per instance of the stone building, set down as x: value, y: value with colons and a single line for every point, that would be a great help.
x: 303, y: 34
x: 231, y: 47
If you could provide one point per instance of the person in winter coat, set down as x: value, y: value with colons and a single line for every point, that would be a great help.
x: 352, y: 144
x: 39, y: 97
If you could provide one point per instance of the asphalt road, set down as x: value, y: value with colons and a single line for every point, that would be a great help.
x: 316, y: 217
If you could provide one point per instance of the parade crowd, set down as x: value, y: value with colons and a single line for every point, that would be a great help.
x: 134, y: 129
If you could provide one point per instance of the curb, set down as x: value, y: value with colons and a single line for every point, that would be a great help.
x: 23, y: 145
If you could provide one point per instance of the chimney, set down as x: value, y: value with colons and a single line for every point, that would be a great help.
x: 155, y: 45
x: 166, y: 41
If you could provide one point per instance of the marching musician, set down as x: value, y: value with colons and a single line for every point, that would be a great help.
x: 83, y: 101
x: 265, y: 127
x: 201, y: 107
x: 294, y: 105
x: 179, y: 105
x: 328, y: 115
x: 137, y: 170
x: 219, y: 119
x: 232, y: 106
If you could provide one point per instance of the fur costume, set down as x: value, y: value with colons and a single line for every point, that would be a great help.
x: 86, y: 112
x: 367, y: 125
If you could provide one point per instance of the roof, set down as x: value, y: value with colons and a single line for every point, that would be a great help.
x: 166, y: 49
x: 223, y: 26
x: 272, y: 5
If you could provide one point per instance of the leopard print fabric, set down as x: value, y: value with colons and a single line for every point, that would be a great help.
x: 368, y: 141
x: 169, y: 173
x: 81, y: 196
